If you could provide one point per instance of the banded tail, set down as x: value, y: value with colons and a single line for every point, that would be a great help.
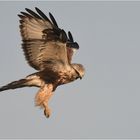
x: 16, y: 84
x: 31, y: 80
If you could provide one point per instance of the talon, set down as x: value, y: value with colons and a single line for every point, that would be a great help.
x: 47, y: 112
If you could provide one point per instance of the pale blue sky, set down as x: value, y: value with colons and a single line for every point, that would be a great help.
x: 105, y: 103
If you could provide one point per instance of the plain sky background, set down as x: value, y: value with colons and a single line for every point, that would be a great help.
x: 106, y: 102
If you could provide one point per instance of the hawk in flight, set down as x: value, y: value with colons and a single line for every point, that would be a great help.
x: 49, y: 50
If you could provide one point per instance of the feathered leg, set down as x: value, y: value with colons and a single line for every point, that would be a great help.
x: 43, y: 97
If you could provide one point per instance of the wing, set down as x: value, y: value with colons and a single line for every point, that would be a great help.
x: 39, y: 26
x: 44, y: 43
x: 50, y: 55
x: 71, y: 46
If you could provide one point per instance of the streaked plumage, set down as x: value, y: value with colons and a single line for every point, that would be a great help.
x: 49, y: 50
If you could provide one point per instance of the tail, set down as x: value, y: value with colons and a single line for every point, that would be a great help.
x: 31, y: 80
x: 16, y: 84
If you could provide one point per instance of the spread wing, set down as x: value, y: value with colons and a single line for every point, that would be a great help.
x: 41, y: 55
x: 44, y: 43
x: 71, y: 46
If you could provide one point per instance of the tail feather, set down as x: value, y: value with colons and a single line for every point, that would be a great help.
x: 16, y: 84
x: 31, y: 80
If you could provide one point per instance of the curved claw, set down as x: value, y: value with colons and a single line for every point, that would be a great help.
x: 47, y: 112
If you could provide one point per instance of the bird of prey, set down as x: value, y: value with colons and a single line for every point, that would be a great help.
x: 49, y: 50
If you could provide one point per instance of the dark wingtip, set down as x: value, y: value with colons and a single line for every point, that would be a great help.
x: 42, y: 14
x: 32, y: 13
x: 53, y: 19
x: 27, y: 9
x: 36, y: 8
x: 76, y: 45
x: 70, y: 36
x: 26, y: 14
x: 21, y: 16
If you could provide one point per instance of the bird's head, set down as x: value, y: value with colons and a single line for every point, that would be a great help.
x: 80, y: 70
